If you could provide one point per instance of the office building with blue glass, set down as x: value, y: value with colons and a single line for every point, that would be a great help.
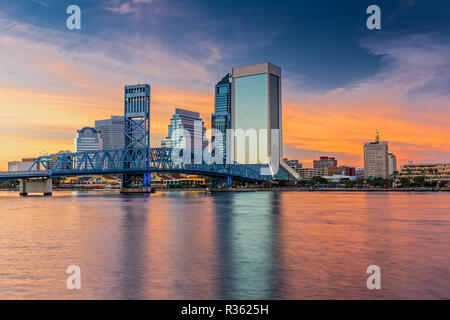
x: 221, y: 118
x: 256, y: 111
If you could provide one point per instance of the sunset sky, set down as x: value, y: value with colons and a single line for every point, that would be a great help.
x: 341, y: 81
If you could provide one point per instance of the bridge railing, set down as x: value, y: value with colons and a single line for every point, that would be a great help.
x: 139, y: 160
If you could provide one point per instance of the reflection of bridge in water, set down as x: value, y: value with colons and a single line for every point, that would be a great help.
x: 131, y: 163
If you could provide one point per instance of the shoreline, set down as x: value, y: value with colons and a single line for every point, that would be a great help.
x: 271, y: 189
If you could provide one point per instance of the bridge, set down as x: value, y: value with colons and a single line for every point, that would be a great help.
x: 134, y: 162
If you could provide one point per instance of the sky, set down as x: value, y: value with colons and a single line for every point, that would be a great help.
x: 340, y: 81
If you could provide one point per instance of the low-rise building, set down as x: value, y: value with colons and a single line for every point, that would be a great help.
x: 430, y: 171
x: 23, y: 165
x: 294, y: 164
x: 342, y: 170
x: 309, y: 173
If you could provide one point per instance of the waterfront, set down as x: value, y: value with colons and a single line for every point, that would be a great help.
x: 252, y: 245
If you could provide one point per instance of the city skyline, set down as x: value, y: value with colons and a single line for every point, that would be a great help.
x: 82, y: 72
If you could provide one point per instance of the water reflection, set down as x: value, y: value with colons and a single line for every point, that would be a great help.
x: 257, y: 245
x: 246, y: 225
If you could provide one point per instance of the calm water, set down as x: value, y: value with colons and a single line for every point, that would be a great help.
x: 259, y: 245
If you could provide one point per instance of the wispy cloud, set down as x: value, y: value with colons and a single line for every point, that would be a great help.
x: 41, y: 3
x: 127, y: 6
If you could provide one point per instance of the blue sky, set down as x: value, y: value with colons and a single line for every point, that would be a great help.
x: 318, y: 41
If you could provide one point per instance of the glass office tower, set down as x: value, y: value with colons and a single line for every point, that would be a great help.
x: 256, y: 105
x: 183, y: 123
x: 221, y: 118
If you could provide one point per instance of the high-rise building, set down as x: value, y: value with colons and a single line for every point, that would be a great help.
x: 256, y: 119
x: 325, y: 162
x: 221, y: 118
x: 376, y: 159
x: 256, y: 106
x: 87, y: 139
x: 392, y: 163
x: 112, y: 132
x: 185, y: 128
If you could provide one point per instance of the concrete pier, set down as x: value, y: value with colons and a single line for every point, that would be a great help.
x: 36, y: 185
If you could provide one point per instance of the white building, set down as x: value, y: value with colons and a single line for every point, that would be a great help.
x: 87, y: 139
x: 376, y: 159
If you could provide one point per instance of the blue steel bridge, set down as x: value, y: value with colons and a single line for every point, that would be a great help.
x: 132, y: 162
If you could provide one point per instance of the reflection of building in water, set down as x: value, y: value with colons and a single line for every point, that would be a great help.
x: 246, y: 242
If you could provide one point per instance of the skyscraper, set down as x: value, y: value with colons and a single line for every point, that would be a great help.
x: 221, y: 118
x: 185, y: 128
x: 376, y: 159
x: 256, y: 105
x: 256, y: 115
x: 111, y: 131
x: 87, y: 139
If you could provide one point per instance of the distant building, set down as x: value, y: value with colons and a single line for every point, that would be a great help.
x: 359, y: 173
x: 341, y: 170
x: 111, y: 132
x: 430, y: 171
x: 221, y: 118
x: 392, y: 163
x: 184, y: 129
x: 309, y: 173
x: 294, y: 164
x: 87, y: 139
x: 325, y: 162
x: 23, y: 165
x: 376, y: 159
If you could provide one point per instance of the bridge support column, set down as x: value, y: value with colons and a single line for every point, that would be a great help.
x: 137, y: 184
x: 36, y: 185
x: 218, y: 182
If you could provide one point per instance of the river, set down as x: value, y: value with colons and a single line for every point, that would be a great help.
x: 243, y: 245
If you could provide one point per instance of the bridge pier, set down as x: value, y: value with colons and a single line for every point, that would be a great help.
x: 216, y: 182
x: 137, y: 183
x: 36, y: 185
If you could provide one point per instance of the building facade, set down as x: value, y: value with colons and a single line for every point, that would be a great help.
x: 256, y: 108
x: 294, y: 164
x: 430, y: 171
x: 221, y: 118
x: 186, y: 130
x: 325, y: 162
x: 376, y: 162
x: 111, y: 132
x: 309, y: 173
x: 341, y: 170
x: 87, y: 139
x: 392, y: 163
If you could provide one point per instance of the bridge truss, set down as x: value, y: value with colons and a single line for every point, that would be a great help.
x: 131, y: 162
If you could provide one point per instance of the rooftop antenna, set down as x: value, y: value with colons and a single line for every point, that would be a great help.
x: 377, y: 136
